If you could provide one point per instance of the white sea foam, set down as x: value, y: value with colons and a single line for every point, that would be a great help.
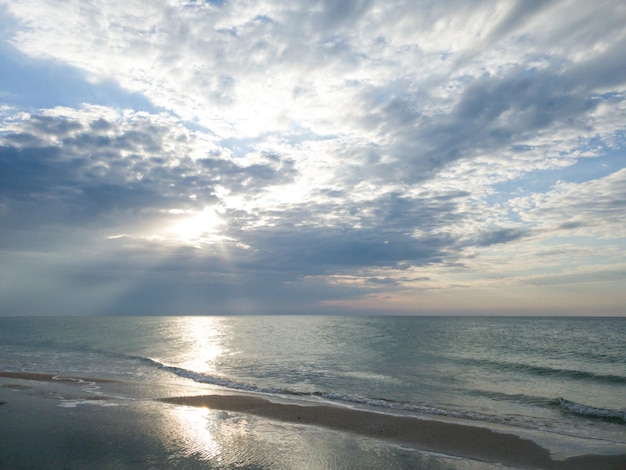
x: 591, y: 411
x: 389, y: 406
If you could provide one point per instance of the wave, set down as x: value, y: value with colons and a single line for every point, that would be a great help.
x: 508, y: 397
x: 386, y: 405
x: 544, y: 371
x: 591, y: 411
x: 328, y: 396
x: 383, y: 405
x: 212, y: 380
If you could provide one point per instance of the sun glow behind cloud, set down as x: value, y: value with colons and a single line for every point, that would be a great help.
x: 196, y: 226
x: 328, y: 153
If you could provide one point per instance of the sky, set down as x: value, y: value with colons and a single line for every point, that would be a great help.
x: 180, y: 157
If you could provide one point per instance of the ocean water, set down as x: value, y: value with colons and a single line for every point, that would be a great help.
x: 560, y: 380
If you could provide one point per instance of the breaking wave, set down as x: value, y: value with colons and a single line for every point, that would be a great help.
x: 384, y: 404
x: 590, y: 411
x: 545, y: 371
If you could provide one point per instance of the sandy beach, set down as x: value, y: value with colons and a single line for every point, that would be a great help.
x: 435, y: 436
x: 30, y: 413
x: 27, y: 397
x: 50, y: 424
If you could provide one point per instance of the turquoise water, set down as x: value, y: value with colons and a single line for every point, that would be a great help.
x: 566, y: 376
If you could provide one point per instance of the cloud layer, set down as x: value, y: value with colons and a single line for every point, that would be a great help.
x: 187, y: 157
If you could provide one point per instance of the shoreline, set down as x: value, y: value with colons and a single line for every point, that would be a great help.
x: 459, y: 440
x: 48, y: 377
x: 422, y: 434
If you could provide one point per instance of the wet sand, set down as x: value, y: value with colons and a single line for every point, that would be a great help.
x: 36, y: 432
x: 47, y: 377
x: 461, y: 440
x: 429, y: 435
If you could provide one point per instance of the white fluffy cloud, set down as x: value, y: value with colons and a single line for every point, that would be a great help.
x: 334, y: 148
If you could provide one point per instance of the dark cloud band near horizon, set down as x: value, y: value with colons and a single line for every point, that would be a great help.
x: 237, y: 157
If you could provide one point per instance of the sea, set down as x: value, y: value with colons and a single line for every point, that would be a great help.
x: 559, y: 381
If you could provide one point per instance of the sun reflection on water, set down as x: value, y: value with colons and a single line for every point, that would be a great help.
x: 201, y: 343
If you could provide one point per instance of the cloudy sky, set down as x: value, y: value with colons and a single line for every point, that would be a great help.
x: 329, y: 156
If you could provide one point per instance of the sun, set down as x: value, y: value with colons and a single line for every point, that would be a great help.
x: 196, y: 226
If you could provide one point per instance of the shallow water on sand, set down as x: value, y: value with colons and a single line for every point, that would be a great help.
x: 60, y: 425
